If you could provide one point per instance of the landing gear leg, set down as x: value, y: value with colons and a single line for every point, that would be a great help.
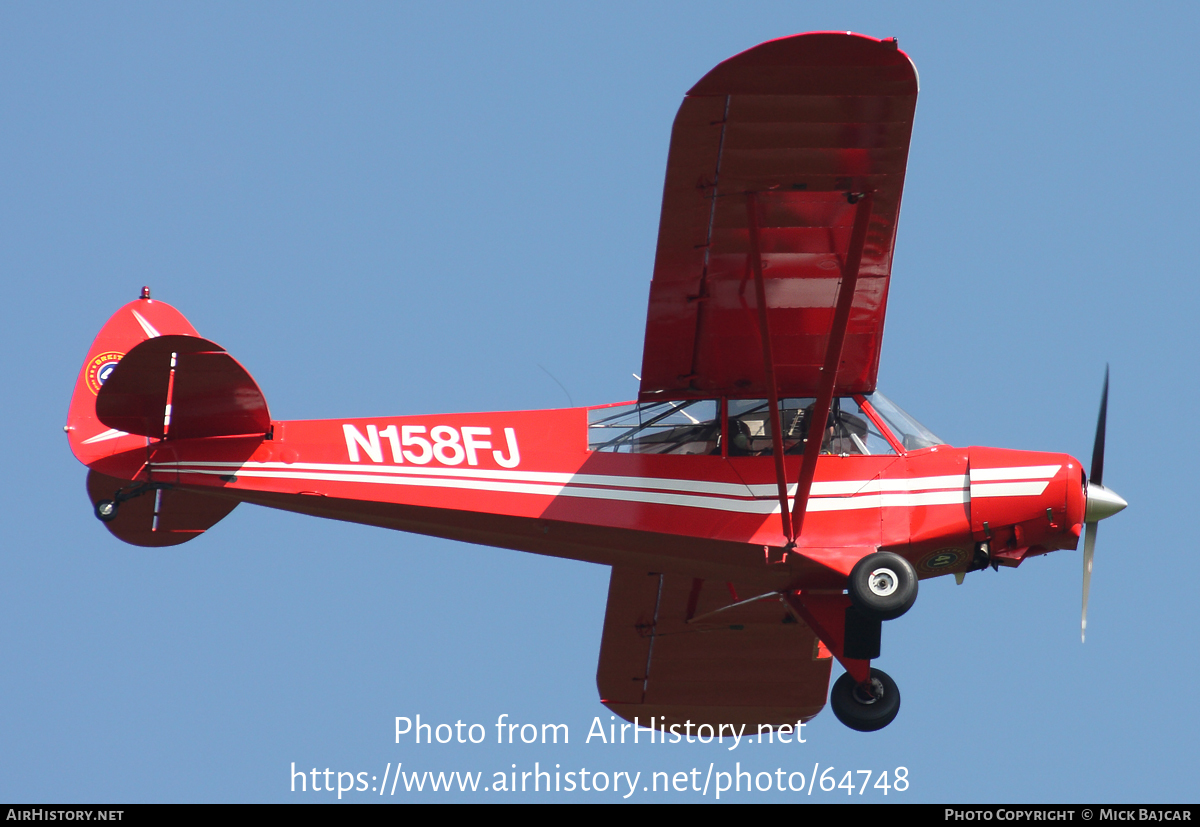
x: 863, y: 699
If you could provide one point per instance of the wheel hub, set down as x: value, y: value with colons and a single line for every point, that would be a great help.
x: 883, y: 582
x: 869, y: 692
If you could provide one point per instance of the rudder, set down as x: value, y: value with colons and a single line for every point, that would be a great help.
x: 145, y: 318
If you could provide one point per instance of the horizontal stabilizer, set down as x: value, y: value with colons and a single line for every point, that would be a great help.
x: 181, y: 387
x: 161, y: 517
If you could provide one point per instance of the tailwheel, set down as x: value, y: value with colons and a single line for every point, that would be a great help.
x: 866, y: 706
x: 106, y: 511
x: 883, y: 585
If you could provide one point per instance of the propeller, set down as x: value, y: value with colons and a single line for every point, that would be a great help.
x: 1101, y: 503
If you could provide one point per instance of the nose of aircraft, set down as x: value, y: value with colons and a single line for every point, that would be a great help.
x: 1102, y: 503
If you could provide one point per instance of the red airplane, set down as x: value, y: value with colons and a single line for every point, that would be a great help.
x: 763, y: 508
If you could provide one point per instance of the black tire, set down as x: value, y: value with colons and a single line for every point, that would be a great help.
x: 856, y: 708
x: 106, y: 511
x: 883, y: 585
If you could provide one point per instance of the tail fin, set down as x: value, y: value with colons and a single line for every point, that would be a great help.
x: 149, y: 377
x: 91, y: 440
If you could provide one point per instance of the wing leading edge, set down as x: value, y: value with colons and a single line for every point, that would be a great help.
x: 771, y: 152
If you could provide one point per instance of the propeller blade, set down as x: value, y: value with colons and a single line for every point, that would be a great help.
x: 1101, y: 503
x: 1098, y: 445
x: 1089, y: 548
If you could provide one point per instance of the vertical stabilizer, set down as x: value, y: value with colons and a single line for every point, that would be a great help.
x: 91, y: 440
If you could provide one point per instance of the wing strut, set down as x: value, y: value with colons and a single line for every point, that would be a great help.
x: 760, y: 294
x: 833, y: 359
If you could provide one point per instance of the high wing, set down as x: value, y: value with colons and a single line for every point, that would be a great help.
x: 674, y: 650
x: 773, y: 152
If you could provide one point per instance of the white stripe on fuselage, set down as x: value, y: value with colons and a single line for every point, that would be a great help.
x: 999, y: 482
x: 834, y: 495
x: 1022, y: 472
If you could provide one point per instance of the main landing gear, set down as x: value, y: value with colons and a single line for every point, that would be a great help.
x: 866, y: 706
x: 883, y: 586
x: 106, y: 510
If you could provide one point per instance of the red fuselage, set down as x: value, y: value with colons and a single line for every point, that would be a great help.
x: 526, y: 480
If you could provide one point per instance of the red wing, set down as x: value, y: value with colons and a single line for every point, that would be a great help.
x: 800, y: 122
x: 753, y: 664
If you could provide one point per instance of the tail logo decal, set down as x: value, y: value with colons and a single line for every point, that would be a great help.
x: 100, y: 367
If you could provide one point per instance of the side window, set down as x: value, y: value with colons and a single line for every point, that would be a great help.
x: 683, y: 427
x: 848, y: 430
x: 750, y: 426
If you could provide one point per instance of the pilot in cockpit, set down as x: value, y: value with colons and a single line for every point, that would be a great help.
x: 750, y: 431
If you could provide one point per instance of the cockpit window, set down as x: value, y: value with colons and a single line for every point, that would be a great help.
x: 684, y: 427
x: 694, y: 427
x: 911, y: 433
x: 848, y: 429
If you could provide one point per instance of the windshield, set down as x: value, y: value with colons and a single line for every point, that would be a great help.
x: 911, y: 433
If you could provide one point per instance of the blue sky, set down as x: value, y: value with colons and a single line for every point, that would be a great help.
x: 399, y: 209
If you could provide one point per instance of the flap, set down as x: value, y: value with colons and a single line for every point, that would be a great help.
x: 756, y: 666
